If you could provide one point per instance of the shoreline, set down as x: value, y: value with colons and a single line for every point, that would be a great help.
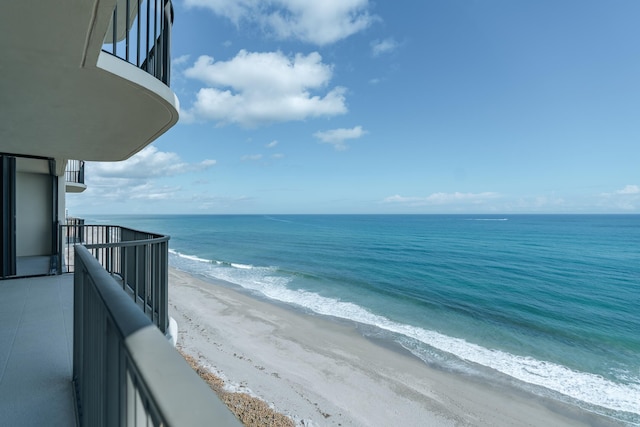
x: 324, y: 372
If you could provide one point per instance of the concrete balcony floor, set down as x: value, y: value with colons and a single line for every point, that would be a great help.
x: 36, y: 351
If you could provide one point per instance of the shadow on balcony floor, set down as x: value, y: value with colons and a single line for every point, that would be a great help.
x: 36, y: 330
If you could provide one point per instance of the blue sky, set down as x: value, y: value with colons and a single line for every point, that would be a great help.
x: 356, y: 106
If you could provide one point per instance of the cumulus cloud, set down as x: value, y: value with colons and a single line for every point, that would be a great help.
x: 629, y: 189
x: 258, y: 88
x: 180, y: 60
x: 337, y: 137
x: 624, y: 199
x: 134, y: 178
x: 439, y: 199
x: 150, y: 191
x: 272, y: 144
x: 235, y: 10
x: 379, y: 47
x: 148, y: 163
x: 318, y: 22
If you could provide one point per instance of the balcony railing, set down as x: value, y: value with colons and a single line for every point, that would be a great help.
x: 137, y: 260
x: 75, y: 171
x: 140, y: 33
x: 124, y: 371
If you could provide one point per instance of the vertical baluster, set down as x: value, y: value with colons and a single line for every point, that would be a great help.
x: 126, y: 20
x: 148, y: 29
x: 115, y: 29
x: 158, y: 57
x: 155, y: 36
x: 138, y: 35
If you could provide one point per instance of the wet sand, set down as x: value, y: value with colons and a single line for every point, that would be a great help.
x: 321, y: 372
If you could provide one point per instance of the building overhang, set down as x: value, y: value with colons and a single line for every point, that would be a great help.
x: 63, y: 97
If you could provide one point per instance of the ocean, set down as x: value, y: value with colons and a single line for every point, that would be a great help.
x: 546, y: 303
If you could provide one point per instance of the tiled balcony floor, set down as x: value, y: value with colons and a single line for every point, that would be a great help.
x: 36, y: 332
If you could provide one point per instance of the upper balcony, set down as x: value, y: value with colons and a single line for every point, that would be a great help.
x: 74, y: 176
x: 85, y: 80
x: 140, y: 33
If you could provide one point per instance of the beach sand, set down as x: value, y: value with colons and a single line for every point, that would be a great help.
x: 322, y: 372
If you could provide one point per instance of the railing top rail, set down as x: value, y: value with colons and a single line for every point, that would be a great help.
x: 120, y: 227
x: 127, y: 243
x: 153, y: 235
x: 180, y: 396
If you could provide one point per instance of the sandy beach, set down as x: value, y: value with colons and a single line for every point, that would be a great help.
x: 322, y: 372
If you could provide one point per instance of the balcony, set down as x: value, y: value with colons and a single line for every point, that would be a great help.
x: 65, y: 97
x: 137, y: 261
x: 87, y: 348
x: 74, y: 176
x: 140, y: 33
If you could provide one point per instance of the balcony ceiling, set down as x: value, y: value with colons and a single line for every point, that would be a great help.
x: 64, y: 98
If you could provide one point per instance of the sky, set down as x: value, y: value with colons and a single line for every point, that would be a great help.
x: 362, y: 106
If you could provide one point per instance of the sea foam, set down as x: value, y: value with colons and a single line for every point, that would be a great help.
x: 583, y: 386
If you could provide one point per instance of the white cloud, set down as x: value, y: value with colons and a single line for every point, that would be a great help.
x: 180, y: 60
x: 629, y: 189
x: 272, y: 144
x: 379, y: 47
x: 134, y: 178
x: 318, y: 22
x: 258, y: 88
x: 277, y: 156
x: 337, y: 137
x: 439, y: 199
x: 401, y: 199
x: 148, y: 163
x: 150, y: 191
x: 625, y: 199
x: 252, y: 157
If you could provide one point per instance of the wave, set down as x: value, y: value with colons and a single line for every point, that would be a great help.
x: 242, y: 266
x: 583, y: 386
x: 193, y: 257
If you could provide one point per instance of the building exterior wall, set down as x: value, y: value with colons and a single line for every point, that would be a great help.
x: 62, y: 199
x: 34, y: 214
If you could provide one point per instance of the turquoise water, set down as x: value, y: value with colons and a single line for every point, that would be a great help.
x: 546, y: 303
